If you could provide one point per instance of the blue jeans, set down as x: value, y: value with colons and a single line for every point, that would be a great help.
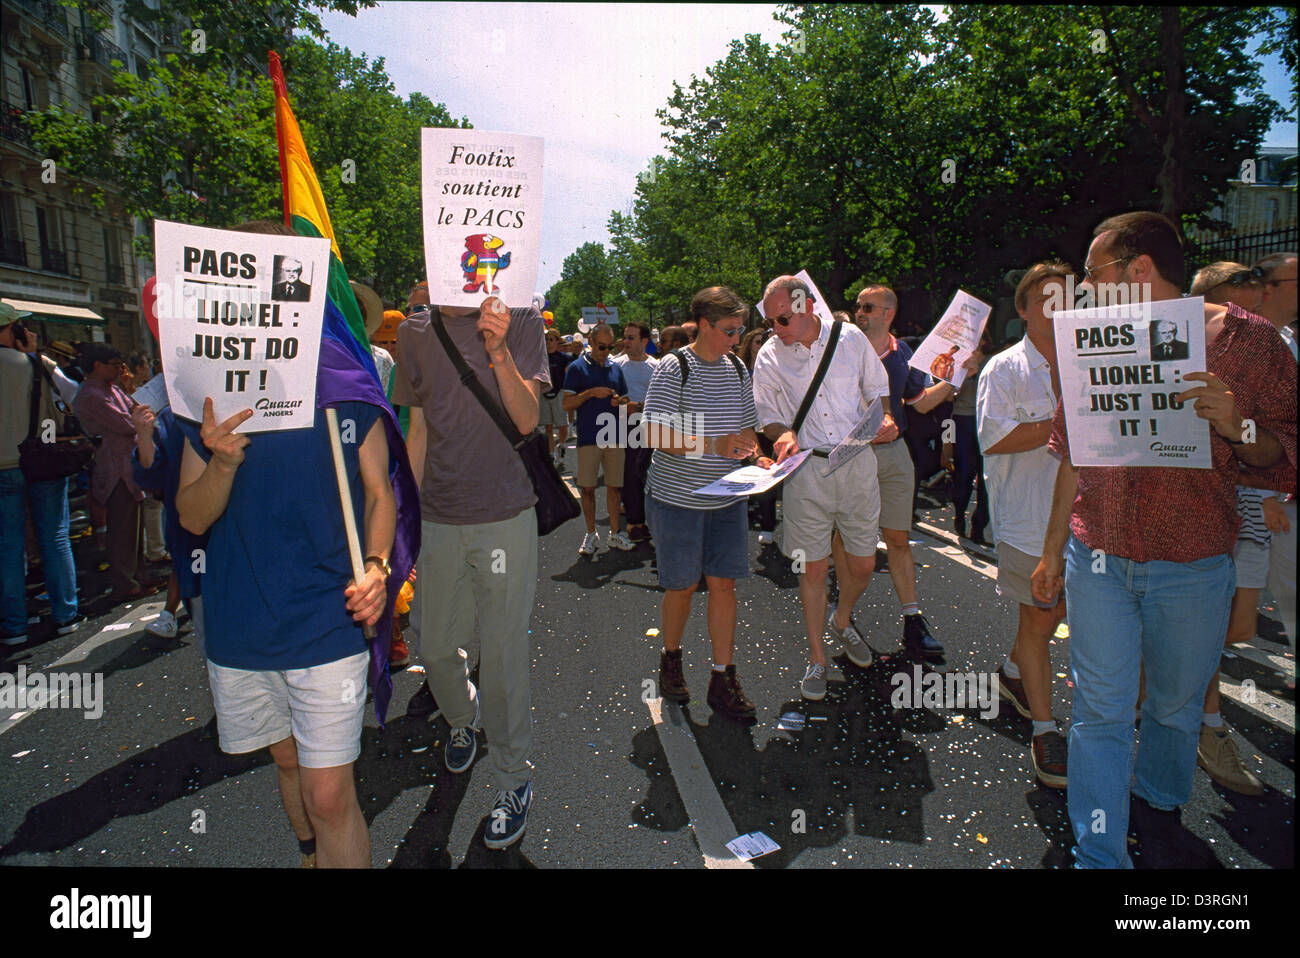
x: 1170, y: 617
x: 970, y: 472
x: 49, y: 504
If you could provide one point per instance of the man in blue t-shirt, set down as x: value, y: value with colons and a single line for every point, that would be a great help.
x: 594, y: 386
x: 287, y: 659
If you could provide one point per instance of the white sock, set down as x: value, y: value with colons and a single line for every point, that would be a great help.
x: 1012, y: 670
x: 1042, y: 727
x: 719, y: 668
x: 1212, y: 719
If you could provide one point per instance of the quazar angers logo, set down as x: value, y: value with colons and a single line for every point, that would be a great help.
x: 480, y: 259
x: 277, y: 407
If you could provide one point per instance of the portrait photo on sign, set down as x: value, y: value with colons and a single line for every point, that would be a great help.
x: 291, y: 285
x: 1168, y: 340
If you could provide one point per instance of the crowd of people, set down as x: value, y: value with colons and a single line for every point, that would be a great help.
x: 1186, y: 552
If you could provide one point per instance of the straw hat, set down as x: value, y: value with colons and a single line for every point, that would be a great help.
x: 372, y: 309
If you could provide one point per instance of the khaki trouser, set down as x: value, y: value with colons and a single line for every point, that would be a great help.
x: 489, y: 572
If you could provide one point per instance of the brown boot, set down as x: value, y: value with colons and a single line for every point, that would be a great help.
x: 672, y: 685
x: 725, y: 696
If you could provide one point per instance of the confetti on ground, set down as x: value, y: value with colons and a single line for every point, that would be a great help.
x: 958, y: 719
x: 422, y: 748
x: 652, y: 633
x: 981, y: 839
x: 1062, y: 631
x: 1060, y: 675
x: 415, y: 669
x: 190, y: 719
x: 22, y: 753
x: 116, y: 627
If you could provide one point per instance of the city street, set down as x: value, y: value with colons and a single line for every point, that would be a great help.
x: 621, y: 778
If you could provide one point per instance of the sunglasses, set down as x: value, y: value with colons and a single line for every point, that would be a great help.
x: 869, y: 308
x: 599, y: 347
x: 1244, y: 277
x: 732, y: 331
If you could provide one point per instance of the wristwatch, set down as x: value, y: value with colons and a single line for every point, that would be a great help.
x: 383, y: 565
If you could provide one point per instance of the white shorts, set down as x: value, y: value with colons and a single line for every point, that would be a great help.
x: 321, y: 707
x: 814, y: 504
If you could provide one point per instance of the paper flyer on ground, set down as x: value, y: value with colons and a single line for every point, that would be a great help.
x: 1121, y: 368
x: 753, y: 845
x: 482, y: 196
x: 952, y: 341
x: 751, y: 480
x: 860, y: 437
x: 820, y: 309
x: 239, y: 320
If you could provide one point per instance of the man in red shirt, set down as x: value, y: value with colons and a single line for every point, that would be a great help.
x: 1148, y: 572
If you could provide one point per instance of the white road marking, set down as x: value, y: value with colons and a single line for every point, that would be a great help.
x: 709, y: 818
x: 105, y: 635
x: 1272, y: 708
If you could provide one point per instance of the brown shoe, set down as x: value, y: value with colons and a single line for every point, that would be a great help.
x: 1049, y: 756
x: 1013, y: 690
x: 308, y: 861
x: 1217, y: 754
x: 672, y: 684
x: 726, y: 696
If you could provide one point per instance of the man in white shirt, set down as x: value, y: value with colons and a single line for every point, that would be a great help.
x: 637, y: 368
x: 817, y: 501
x: 1014, y: 405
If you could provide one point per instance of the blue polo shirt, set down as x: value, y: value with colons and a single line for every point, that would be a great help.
x: 904, y: 381
x: 583, y: 374
x: 277, y: 558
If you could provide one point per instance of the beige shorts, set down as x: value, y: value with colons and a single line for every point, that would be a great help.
x: 321, y: 707
x: 896, y: 476
x: 814, y: 504
x: 1015, y: 569
x: 1251, y: 560
x: 593, y: 457
x: 551, y: 411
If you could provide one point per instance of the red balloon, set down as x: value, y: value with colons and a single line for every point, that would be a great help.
x: 149, y: 303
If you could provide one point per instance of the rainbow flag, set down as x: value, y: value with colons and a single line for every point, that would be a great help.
x: 346, y: 369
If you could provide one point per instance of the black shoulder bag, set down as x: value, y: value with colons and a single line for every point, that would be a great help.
x: 64, y: 456
x: 556, y: 505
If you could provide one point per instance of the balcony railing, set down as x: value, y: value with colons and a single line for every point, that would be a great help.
x: 102, y: 50
x: 49, y: 14
x: 115, y: 275
x: 12, y: 126
x: 12, y: 251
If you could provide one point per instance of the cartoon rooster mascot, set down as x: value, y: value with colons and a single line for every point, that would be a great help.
x: 480, y: 259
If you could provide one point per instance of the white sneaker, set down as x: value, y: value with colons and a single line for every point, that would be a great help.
x: 766, y: 538
x: 590, y: 543
x: 164, y: 625
x: 619, y: 540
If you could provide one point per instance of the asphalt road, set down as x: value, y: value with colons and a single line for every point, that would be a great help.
x: 621, y: 781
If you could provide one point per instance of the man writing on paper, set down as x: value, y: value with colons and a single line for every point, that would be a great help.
x: 818, y: 502
x: 287, y: 659
x: 1147, y: 570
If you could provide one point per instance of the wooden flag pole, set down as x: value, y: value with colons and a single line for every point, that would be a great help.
x: 345, y: 497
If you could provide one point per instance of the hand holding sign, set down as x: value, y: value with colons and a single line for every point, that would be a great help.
x: 226, y: 446
x: 366, y: 601
x: 494, y: 323
x: 1215, y: 403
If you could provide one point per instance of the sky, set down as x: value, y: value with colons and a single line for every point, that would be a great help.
x: 587, y: 77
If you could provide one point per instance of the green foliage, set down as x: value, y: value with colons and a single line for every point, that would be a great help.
x: 829, y: 151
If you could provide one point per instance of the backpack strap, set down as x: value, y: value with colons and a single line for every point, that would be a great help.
x: 686, y: 370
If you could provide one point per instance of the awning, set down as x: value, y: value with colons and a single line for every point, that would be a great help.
x: 56, y: 313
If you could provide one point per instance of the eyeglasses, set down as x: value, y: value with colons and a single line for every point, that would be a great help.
x: 733, y: 330
x: 1278, y: 282
x: 1091, y: 271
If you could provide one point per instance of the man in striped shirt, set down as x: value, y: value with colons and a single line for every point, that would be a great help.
x: 699, y: 418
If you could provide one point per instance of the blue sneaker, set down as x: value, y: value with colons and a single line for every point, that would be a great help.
x: 461, y: 749
x: 509, y: 817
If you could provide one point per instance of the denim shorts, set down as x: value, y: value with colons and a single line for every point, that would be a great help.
x: 691, y: 542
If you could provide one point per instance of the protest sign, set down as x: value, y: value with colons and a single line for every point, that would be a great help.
x: 860, y: 437
x: 239, y: 320
x: 952, y: 341
x: 593, y: 316
x: 482, y: 215
x: 751, y: 480
x: 820, y: 309
x: 1121, y: 369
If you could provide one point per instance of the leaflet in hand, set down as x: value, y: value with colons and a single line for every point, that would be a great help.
x: 153, y: 394
x: 860, y: 437
x: 751, y: 480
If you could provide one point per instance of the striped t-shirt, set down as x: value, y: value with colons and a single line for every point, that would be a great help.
x: 718, y: 400
x: 1251, y: 510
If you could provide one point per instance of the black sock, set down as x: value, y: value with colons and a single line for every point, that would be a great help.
x: 307, y: 845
